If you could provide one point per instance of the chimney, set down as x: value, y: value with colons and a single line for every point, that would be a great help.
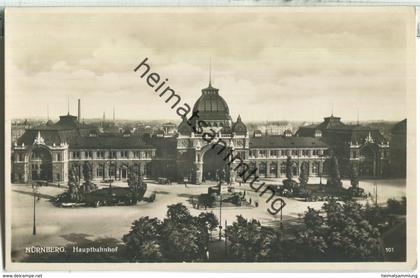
x: 79, y: 115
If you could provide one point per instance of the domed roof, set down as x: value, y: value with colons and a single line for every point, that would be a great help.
x: 239, y: 127
x: 211, y: 106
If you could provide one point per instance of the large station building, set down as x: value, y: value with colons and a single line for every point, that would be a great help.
x: 47, y: 152
x: 361, y: 147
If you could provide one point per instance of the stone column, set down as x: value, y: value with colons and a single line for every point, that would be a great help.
x: 310, y: 173
x: 27, y: 175
x: 257, y: 167
x: 278, y: 169
x: 198, y: 172
x: 117, y: 172
x: 198, y: 168
x: 142, y: 168
x: 232, y: 176
x: 267, y: 168
x: 106, y: 171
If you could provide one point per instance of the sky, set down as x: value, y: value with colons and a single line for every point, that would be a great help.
x: 296, y: 64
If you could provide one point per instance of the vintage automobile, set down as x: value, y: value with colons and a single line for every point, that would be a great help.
x: 163, y: 181
x: 72, y: 205
x: 112, y: 196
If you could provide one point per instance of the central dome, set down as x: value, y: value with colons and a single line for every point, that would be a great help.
x: 211, y: 106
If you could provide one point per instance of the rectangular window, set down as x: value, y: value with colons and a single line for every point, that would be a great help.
x: 273, y: 153
x: 295, y: 152
x: 59, y: 157
x: 283, y: 153
x: 314, y: 152
x: 100, y: 154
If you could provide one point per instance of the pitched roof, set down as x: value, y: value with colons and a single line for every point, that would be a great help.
x: 400, y: 127
x: 50, y: 137
x: 110, y: 142
x: 285, y: 142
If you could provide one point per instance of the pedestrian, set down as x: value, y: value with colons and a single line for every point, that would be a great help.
x: 185, y: 184
x: 256, y: 204
x: 250, y: 201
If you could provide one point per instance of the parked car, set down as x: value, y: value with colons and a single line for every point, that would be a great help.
x: 72, y: 205
x: 112, y: 196
x: 163, y: 181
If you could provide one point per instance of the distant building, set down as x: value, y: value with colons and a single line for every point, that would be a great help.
x: 169, y: 129
x: 398, y: 147
x: 275, y: 129
x: 354, y: 145
x: 18, y: 129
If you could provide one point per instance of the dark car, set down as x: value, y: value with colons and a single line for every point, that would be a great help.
x: 112, y: 196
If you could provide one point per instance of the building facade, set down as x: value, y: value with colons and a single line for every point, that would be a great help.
x: 195, y: 151
x: 355, y: 146
x: 398, y: 146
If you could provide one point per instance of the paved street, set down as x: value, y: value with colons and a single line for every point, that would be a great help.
x: 53, y: 223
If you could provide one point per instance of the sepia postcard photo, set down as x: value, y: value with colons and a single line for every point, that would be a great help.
x: 247, y: 139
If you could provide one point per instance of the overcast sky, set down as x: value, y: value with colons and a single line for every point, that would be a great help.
x: 269, y: 64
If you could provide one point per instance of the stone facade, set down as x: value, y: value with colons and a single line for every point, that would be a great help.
x: 198, y: 150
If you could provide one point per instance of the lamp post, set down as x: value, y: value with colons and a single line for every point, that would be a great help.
x: 320, y: 171
x: 35, y: 192
x: 376, y: 194
x: 220, y: 218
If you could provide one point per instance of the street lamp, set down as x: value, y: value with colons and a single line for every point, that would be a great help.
x: 35, y: 192
x: 320, y: 171
x: 220, y: 211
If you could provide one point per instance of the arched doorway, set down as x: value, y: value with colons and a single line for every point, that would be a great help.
x: 367, y: 160
x: 41, y: 164
x: 215, y: 161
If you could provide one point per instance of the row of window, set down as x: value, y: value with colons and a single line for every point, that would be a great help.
x: 355, y: 154
x: 273, y: 167
x: 111, y: 154
x: 293, y: 152
x: 37, y: 156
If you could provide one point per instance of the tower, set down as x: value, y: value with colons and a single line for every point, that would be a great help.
x: 79, y: 115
